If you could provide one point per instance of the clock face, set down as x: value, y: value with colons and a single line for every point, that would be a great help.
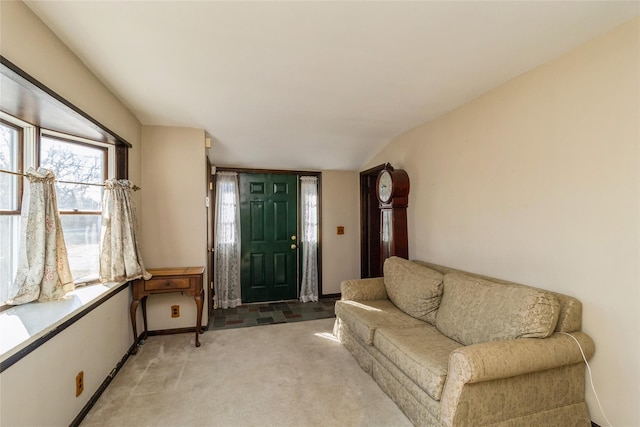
x: 384, y: 186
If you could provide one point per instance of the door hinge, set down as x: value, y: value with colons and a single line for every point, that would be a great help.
x: 210, y: 185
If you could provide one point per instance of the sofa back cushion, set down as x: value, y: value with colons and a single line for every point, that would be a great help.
x: 413, y: 288
x: 570, y: 317
x: 475, y: 310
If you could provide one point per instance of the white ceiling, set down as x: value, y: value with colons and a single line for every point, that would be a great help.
x: 314, y: 85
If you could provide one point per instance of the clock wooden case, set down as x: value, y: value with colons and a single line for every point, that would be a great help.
x: 392, y: 188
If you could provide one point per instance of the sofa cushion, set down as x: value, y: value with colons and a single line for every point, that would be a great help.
x: 475, y: 310
x: 362, y: 318
x: 421, y: 353
x: 413, y: 288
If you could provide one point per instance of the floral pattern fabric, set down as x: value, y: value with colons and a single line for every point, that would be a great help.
x: 120, y: 255
x: 43, y: 265
x: 475, y: 310
x: 508, y: 382
x: 413, y: 288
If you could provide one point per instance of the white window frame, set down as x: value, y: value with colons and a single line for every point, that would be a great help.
x: 30, y: 152
x: 111, y: 149
x: 111, y: 170
x: 29, y: 133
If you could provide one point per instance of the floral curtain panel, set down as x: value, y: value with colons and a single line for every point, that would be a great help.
x: 120, y: 256
x: 227, y: 242
x: 43, y: 266
x: 309, y: 238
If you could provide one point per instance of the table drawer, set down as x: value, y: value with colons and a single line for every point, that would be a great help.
x: 167, y: 283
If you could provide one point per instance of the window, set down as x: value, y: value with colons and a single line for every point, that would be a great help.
x: 79, y: 163
x: 10, y: 198
x: 80, y: 205
x: 29, y: 114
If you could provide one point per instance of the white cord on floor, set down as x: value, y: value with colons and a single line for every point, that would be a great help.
x: 590, y: 378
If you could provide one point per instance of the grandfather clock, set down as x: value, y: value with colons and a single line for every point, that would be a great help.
x: 393, y: 194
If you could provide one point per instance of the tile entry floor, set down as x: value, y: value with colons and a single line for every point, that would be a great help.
x: 271, y: 313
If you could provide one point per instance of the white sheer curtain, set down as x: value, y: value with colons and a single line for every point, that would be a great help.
x: 309, y: 238
x: 43, y: 266
x: 120, y: 257
x: 227, y: 242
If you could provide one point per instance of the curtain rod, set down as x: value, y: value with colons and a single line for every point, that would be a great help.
x: 134, y: 188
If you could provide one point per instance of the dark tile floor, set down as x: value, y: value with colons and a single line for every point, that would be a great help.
x: 271, y: 313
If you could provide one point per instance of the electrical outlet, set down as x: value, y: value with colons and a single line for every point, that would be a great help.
x: 79, y: 383
x: 175, y: 311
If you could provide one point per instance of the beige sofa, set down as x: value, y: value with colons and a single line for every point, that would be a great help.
x: 457, y: 349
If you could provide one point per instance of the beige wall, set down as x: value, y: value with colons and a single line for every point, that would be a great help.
x: 97, y: 342
x: 173, y: 225
x: 28, y: 43
x: 340, y: 253
x: 538, y: 181
x: 39, y: 390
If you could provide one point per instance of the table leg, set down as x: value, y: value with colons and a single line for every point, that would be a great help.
x: 134, y: 308
x: 144, y: 317
x: 198, y: 299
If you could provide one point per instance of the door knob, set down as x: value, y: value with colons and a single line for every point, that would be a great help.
x: 293, y: 246
x: 293, y: 237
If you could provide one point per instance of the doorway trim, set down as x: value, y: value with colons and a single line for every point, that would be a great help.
x: 211, y: 213
x: 298, y: 173
x: 370, y: 224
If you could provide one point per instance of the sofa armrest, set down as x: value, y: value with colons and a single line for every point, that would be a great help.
x: 501, y: 359
x: 363, y: 289
x: 509, y: 358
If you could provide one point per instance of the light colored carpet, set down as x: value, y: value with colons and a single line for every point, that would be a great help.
x: 292, y: 374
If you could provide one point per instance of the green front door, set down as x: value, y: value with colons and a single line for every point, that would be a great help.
x: 268, y: 221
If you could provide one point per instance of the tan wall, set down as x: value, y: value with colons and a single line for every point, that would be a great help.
x: 340, y: 253
x: 39, y: 390
x: 173, y: 222
x: 537, y: 182
x: 28, y: 43
x: 97, y: 342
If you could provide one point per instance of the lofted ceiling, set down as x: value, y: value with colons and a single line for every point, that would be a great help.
x: 314, y: 85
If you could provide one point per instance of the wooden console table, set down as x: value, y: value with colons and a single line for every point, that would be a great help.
x: 187, y: 280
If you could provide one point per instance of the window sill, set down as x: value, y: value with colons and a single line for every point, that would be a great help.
x: 25, y: 327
